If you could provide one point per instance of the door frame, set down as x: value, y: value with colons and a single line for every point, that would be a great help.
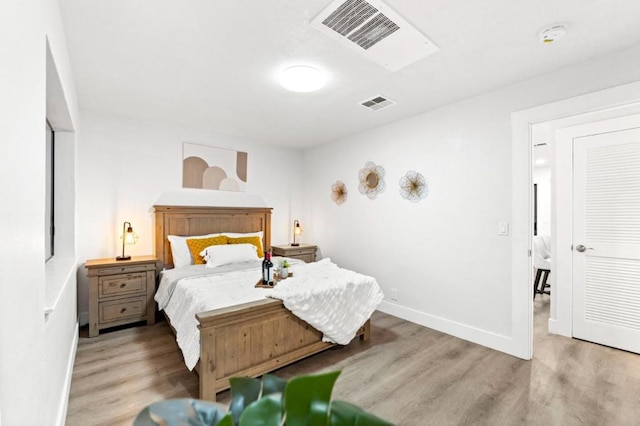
x: 572, y: 111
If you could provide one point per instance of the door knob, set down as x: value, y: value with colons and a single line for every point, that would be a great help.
x: 582, y: 248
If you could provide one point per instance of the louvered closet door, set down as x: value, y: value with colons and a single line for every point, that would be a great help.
x: 606, y: 239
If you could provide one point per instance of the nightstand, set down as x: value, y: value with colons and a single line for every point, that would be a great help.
x: 121, y: 292
x: 303, y: 252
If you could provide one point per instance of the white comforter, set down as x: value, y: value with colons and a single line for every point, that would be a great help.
x: 335, y: 301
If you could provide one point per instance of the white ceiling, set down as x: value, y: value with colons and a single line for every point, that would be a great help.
x: 212, y: 65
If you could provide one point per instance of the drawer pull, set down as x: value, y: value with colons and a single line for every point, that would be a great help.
x: 123, y: 285
x: 123, y: 310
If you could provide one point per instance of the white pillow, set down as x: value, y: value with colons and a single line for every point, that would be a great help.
x: 180, y: 251
x: 231, y: 253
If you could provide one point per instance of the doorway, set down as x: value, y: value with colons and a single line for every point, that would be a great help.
x: 619, y: 101
x: 542, y: 140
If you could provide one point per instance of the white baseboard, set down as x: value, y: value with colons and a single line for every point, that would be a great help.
x: 64, y: 398
x: 482, y: 337
x: 553, y: 326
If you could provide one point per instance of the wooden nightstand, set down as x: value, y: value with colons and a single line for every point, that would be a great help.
x: 121, y: 292
x: 303, y: 252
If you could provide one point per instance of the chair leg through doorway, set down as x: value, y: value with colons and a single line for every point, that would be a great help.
x: 540, y: 282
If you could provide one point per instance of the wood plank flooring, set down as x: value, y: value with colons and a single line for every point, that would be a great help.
x: 407, y: 374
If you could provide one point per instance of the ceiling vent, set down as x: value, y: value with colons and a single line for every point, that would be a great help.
x: 374, y: 30
x: 377, y: 103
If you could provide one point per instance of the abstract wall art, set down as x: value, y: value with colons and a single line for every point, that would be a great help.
x: 207, y: 167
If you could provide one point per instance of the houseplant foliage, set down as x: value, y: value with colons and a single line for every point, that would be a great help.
x: 270, y: 401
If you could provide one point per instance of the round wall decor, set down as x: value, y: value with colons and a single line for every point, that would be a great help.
x: 371, y: 180
x: 339, y: 192
x: 413, y: 187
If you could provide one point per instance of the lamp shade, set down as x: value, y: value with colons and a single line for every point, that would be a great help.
x: 128, y: 237
x: 297, y: 231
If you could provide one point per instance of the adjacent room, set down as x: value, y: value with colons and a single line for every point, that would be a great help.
x: 438, y: 199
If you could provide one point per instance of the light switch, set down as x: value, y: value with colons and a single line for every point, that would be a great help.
x: 503, y: 228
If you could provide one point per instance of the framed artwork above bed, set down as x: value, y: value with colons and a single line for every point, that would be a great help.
x: 207, y: 167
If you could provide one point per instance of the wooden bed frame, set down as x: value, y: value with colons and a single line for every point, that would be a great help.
x: 244, y: 340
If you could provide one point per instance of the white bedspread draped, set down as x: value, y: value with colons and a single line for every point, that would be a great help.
x: 335, y: 301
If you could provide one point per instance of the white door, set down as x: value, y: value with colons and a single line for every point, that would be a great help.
x: 606, y: 238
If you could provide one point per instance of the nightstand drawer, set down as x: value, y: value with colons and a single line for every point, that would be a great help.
x: 124, y: 269
x: 305, y: 252
x: 306, y: 257
x: 121, y: 309
x: 122, y: 284
x: 297, y: 252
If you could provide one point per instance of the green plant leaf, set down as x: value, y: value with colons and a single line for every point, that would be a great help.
x: 346, y: 414
x: 244, y: 391
x: 272, y: 384
x: 226, y: 421
x: 307, y: 398
x: 265, y: 412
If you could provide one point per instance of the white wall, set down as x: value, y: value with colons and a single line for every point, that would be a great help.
x: 35, y: 353
x: 451, y: 269
x: 127, y: 166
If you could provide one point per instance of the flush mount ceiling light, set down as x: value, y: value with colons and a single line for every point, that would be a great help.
x: 552, y: 33
x: 302, y: 78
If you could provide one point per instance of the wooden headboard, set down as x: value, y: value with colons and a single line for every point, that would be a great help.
x: 187, y: 221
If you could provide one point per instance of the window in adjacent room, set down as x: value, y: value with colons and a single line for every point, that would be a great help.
x: 49, y: 197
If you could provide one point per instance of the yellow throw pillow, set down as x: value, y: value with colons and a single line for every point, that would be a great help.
x: 196, y: 245
x: 256, y: 241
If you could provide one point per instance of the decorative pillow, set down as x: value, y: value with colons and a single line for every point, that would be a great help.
x: 219, y: 255
x: 259, y: 234
x: 180, y: 251
x: 256, y: 241
x: 196, y: 245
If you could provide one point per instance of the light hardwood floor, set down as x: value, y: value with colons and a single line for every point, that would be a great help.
x: 407, y: 374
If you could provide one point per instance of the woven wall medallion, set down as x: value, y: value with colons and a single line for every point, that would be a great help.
x: 371, y: 180
x: 339, y: 192
x: 413, y: 187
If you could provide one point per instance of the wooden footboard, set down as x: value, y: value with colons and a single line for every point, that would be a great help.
x: 253, y: 339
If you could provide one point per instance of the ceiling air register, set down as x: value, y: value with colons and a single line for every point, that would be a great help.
x: 376, y: 31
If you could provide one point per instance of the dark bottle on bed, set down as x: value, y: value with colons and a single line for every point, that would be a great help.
x: 267, y: 269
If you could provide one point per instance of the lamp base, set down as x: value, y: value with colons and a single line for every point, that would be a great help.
x: 123, y: 258
x: 295, y: 244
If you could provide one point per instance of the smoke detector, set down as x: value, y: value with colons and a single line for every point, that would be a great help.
x: 553, y: 33
x: 375, y: 31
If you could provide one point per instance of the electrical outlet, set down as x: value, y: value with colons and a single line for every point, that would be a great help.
x: 394, y: 294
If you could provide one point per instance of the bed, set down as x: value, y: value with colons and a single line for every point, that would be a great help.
x: 249, y: 339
